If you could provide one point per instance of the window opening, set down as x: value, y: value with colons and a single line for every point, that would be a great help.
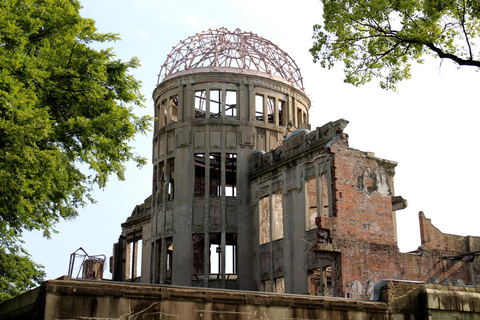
x: 215, y: 174
x: 230, y: 255
x: 271, y: 109
x: 133, y: 267
x: 304, y: 117
x: 161, y: 182
x: 312, y: 203
x: 215, y: 254
x: 215, y: 103
x: 169, y: 257
x: 299, y: 117
x: 277, y: 213
x: 328, y: 283
x: 280, y: 285
x: 266, y: 286
x: 157, y: 253
x: 163, y: 113
x: 136, y: 258
x: 320, y: 282
x: 173, y: 109
x: 198, y: 255
x: 199, y: 183
x: 157, y: 116
x: 155, y: 186
x: 231, y: 104
x: 264, y: 220
x: 200, y: 103
x: 259, y: 107
x: 325, y: 205
x: 231, y: 174
x: 281, y: 104
x: 171, y: 180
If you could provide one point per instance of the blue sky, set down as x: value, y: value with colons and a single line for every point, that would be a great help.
x: 428, y: 127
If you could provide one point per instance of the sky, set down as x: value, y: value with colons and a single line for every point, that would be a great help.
x: 428, y: 126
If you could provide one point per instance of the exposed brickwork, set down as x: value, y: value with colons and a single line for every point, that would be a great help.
x: 357, y: 239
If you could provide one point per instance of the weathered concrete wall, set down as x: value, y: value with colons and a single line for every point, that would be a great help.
x: 81, y: 299
x: 104, y: 300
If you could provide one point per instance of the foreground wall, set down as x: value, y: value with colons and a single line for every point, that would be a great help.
x: 81, y: 299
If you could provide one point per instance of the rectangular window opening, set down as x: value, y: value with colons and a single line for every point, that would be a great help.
x: 266, y: 286
x: 138, y: 262
x: 311, y: 211
x: 215, y: 174
x: 231, y: 104
x: 198, y: 255
x: 320, y: 282
x: 162, y: 116
x: 277, y: 212
x: 199, y: 183
x: 271, y: 109
x: 230, y: 255
x: 264, y: 211
x: 173, y: 109
x: 325, y: 205
x: 160, y: 182
x: 299, y: 118
x: 281, y: 105
x: 231, y: 174
x: 200, y: 103
x: 215, y: 103
x: 279, y: 285
x: 134, y: 252
x: 215, y: 254
x: 259, y: 107
x: 171, y: 180
x: 155, y: 185
x: 169, y: 257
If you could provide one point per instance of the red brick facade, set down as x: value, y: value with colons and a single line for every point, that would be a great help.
x: 355, y: 244
x: 363, y: 233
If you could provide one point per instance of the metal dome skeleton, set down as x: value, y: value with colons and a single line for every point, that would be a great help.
x: 233, y: 50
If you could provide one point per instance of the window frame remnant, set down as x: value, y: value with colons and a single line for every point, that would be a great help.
x: 259, y: 107
x: 199, y: 178
x: 231, y: 103
x: 319, y: 194
x: 281, y: 111
x: 215, y: 103
x: 169, y: 259
x: 321, y: 281
x: 133, y: 255
x: 215, y: 170
x: 271, y: 109
x: 230, y: 174
x: 171, y: 180
x: 200, y: 103
x: 264, y: 220
x: 277, y: 216
x: 173, y: 109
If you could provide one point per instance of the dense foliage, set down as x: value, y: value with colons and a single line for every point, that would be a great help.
x: 381, y: 38
x: 63, y: 105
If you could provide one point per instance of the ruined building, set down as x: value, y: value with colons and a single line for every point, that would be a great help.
x: 246, y: 196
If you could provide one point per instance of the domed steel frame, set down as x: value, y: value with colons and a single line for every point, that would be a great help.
x: 222, y: 48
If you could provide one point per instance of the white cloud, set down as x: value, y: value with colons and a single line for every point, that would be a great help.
x: 144, y: 35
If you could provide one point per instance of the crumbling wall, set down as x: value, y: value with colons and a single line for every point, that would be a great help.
x: 355, y: 243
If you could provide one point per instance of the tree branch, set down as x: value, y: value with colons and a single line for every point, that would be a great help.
x: 457, y: 59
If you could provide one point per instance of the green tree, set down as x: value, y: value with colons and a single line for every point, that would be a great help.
x: 64, y: 106
x: 381, y: 38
